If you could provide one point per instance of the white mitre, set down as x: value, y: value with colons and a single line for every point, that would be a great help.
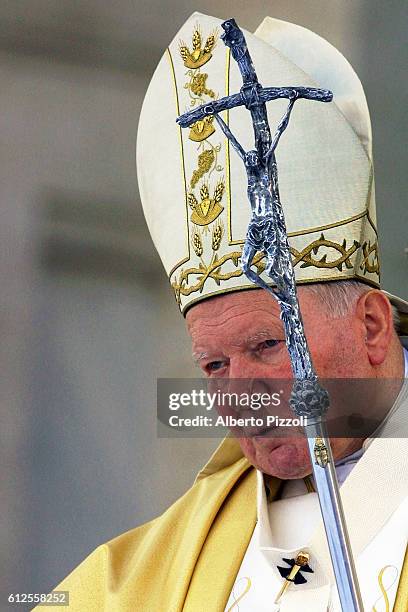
x: 193, y: 185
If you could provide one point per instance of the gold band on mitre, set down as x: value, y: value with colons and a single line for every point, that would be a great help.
x: 193, y: 185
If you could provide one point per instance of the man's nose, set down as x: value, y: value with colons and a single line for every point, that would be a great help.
x: 240, y: 374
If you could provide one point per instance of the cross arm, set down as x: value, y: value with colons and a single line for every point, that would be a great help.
x: 308, y: 93
x: 264, y: 95
x: 210, y: 108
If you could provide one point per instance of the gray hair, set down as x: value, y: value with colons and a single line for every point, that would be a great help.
x: 340, y: 297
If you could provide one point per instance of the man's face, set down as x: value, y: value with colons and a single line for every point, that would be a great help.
x: 240, y: 335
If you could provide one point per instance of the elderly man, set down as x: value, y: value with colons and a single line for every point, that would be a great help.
x: 351, y: 335
x: 253, y: 509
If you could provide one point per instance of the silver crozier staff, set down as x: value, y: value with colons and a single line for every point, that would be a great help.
x: 267, y: 233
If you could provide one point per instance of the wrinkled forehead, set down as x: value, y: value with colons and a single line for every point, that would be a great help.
x: 243, y: 301
x: 246, y: 315
x: 240, y: 316
x: 233, y: 318
x: 229, y: 305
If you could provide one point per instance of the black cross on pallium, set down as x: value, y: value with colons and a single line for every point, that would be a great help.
x: 292, y: 574
x: 286, y: 572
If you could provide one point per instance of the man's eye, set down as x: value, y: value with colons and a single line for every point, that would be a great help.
x: 213, y: 366
x: 269, y: 343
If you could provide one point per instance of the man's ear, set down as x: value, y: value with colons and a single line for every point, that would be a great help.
x: 375, y: 312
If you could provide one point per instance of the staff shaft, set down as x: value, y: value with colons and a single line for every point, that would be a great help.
x: 334, y: 523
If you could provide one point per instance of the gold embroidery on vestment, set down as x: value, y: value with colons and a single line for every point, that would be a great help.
x: 370, y: 265
x: 202, y: 129
x: 204, y: 212
x: 198, y: 55
x: 245, y: 591
x: 183, y: 167
x: 383, y: 589
x: 306, y: 254
x: 209, y: 208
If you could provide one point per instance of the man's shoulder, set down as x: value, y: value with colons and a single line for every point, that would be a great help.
x: 88, y: 582
x: 148, y: 550
x: 104, y: 569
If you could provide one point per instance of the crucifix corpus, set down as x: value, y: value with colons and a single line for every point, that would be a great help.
x: 267, y: 233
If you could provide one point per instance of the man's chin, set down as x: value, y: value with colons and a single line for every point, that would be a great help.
x: 282, y: 459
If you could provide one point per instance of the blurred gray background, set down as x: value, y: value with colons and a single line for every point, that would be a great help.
x: 87, y: 321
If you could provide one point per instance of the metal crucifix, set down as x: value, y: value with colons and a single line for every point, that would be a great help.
x: 267, y: 232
